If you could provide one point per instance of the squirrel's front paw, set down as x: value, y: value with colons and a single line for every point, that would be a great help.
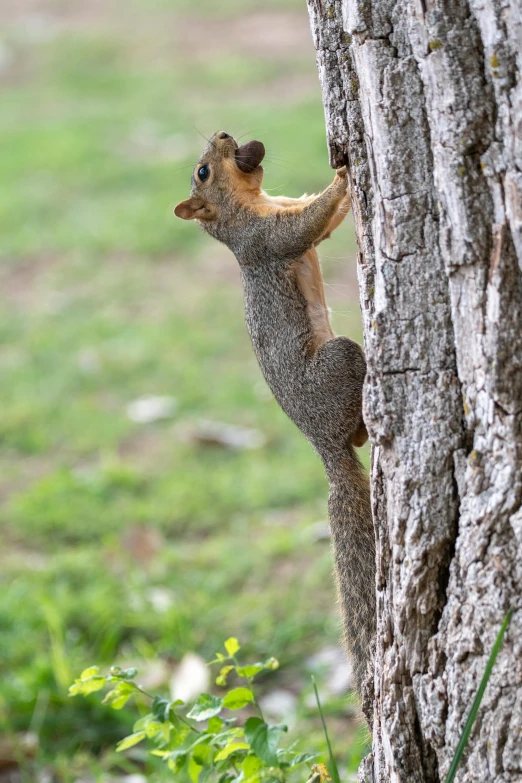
x: 340, y: 182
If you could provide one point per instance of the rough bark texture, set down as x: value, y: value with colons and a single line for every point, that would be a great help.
x: 423, y: 100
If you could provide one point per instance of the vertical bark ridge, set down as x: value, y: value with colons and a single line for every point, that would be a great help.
x: 424, y: 101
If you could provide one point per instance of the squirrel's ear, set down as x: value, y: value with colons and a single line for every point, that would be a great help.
x: 249, y: 156
x: 193, y: 208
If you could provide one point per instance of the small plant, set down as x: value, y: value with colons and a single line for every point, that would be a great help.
x: 333, y: 769
x: 199, y: 739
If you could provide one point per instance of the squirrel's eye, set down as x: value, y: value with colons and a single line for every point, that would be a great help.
x: 203, y: 173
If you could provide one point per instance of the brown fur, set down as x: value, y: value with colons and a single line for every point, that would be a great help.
x: 316, y: 377
x: 307, y: 269
x: 310, y: 282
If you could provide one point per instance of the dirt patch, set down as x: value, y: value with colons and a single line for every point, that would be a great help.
x: 23, y: 283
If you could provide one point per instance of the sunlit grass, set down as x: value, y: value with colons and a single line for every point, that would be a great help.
x: 107, y: 298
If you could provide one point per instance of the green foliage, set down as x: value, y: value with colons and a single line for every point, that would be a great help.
x: 222, y: 749
x: 466, y: 732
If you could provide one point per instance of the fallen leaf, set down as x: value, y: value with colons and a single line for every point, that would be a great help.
x: 191, y: 678
x: 146, y: 410
x: 229, y: 436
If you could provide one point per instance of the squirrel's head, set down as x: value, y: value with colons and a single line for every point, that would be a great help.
x: 225, y: 177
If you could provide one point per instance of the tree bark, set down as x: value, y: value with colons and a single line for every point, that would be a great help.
x: 423, y: 101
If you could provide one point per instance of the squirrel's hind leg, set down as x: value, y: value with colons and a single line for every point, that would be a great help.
x: 337, y: 370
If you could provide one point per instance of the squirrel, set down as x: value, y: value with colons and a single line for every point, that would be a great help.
x: 316, y: 377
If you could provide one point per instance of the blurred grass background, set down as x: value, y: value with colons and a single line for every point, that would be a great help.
x: 137, y: 542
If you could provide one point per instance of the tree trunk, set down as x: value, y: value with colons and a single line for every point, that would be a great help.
x: 423, y: 101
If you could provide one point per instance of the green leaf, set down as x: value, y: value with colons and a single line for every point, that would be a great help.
x: 221, y: 679
x: 119, y: 696
x: 128, y: 674
x: 238, y: 698
x: 224, y: 737
x: 90, y: 685
x: 90, y: 672
x: 478, y: 698
x: 251, y: 725
x: 142, y: 722
x: 179, y: 735
x: 130, y: 741
x: 203, y: 753
x: 117, y: 673
x: 176, y: 763
x: 230, y: 749
x: 250, y: 670
x: 214, y: 725
x: 303, y: 758
x: 194, y: 769
x: 153, y: 729
x: 160, y: 708
x: 263, y: 740
x: 232, y: 646
x: 206, y: 707
x: 250, y: 766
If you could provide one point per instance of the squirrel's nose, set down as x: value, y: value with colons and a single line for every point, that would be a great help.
x: 223, y: 135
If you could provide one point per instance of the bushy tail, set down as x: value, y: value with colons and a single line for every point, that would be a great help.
x: 354, y: 550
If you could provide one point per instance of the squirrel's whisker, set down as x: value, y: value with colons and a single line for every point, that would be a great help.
x: 203, y: 136
x: 341, y: 315
x: 247, y: 133
x: 182, y: 168
x: 339, y: 293
x: 280, y: 165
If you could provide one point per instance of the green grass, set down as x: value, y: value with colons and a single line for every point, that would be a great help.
x: 106, y: 298
x: 475, y: 706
